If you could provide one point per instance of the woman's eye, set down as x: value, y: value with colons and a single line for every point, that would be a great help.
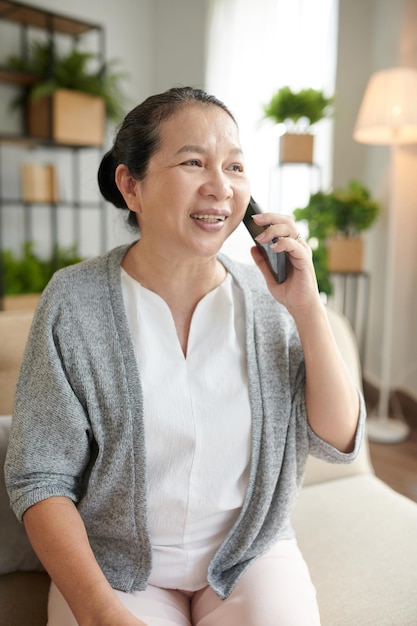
x: 236, y: 167
x: 193, y: 162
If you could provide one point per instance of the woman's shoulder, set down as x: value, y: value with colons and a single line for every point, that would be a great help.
x: 85, y: 283
x: 93, y: 268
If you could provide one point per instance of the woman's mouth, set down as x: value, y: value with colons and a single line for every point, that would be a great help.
x: 209, y: 219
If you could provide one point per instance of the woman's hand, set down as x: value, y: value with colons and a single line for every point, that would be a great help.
x: 299, y: 290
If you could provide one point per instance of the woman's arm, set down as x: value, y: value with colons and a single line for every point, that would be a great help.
x: 331, y: 396
x: 59, y: 538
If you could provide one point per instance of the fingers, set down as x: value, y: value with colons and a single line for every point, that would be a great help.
x: 296, y: 247
x: 276, y: 226
x: 272, y: 218
x: 282, y: 235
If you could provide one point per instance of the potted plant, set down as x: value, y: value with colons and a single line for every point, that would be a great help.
x: 335, y: 222
x: 298, y: 111
x: 69, y: 103
x: 27, y: 274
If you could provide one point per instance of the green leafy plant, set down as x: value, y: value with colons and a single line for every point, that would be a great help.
x: 321, y: 269
x: 28, y: 273
x: 346, y: 212
x: 287, y: 106
x: 71, y: 71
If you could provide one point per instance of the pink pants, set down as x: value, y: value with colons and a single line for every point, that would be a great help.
x: 276, y: 590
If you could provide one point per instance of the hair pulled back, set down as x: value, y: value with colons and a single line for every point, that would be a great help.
x: 138, y: 138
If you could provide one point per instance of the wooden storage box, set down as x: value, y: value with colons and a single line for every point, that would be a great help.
x: 345, y: 254
x: 296, y: 148
x: 39, y: 182
x: 67, y: 117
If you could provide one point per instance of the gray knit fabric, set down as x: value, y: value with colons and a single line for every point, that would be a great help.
x: 78, y: 422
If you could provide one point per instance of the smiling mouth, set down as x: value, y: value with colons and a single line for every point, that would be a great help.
x: 210, y: 219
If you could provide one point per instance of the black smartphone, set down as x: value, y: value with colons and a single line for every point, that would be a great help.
x: 277, y: 261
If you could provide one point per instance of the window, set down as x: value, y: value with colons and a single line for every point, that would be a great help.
x: 254, y: 48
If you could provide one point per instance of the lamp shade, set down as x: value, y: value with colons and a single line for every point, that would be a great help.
x: 388, y: 112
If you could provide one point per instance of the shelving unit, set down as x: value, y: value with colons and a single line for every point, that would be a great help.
x: 28, y: 15
x: 51, y: 23
x: 30, y: 19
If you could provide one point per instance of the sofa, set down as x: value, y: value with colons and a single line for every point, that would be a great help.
x: 359, y: 537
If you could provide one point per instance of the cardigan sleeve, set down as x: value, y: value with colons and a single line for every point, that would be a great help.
x: 50, y: 441
x: 323, y: 450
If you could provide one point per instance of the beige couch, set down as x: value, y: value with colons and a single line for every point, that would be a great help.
x: 358, y: 536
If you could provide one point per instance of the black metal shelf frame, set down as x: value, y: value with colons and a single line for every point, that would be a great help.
x: 29, y: 17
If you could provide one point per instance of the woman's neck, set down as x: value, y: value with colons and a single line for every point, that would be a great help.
x: 181, y: 284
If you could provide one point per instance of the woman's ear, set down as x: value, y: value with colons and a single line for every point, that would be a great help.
x: 128, y: 187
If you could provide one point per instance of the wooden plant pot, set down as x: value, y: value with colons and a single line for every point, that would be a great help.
x: 296, y: 148
x: 67, y: 117
x: 345, y: 254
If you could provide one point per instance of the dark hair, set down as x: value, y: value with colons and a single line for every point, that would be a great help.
x: 138, y: 138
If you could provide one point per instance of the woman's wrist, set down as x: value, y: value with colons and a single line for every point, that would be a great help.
x: 309, y: 313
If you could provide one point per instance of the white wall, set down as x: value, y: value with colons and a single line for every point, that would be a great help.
x: 179, y: 43
x: 405, y: 337
x: 374, y: 35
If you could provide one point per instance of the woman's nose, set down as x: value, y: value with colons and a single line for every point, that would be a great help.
x: 216, y: 184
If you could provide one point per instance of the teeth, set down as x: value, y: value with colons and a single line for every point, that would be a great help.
x: 209, y: 218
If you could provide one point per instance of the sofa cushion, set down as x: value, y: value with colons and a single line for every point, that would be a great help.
x: 16, y: 552
x: 359, y: 538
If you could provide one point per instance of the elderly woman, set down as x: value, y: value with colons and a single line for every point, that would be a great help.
x: 169, y: 397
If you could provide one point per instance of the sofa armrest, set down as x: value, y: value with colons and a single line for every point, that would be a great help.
x: 14, y: 331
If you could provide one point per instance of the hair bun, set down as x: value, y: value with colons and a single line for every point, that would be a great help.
x: 107, y: 181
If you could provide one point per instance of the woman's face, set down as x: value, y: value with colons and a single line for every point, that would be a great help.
x: 195, y: 191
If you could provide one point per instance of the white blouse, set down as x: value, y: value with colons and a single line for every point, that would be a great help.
x: 197, y: 427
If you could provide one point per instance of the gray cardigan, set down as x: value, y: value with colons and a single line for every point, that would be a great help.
x: 78, y: 424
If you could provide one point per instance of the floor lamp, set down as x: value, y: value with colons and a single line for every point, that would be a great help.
x: 388, y: 116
